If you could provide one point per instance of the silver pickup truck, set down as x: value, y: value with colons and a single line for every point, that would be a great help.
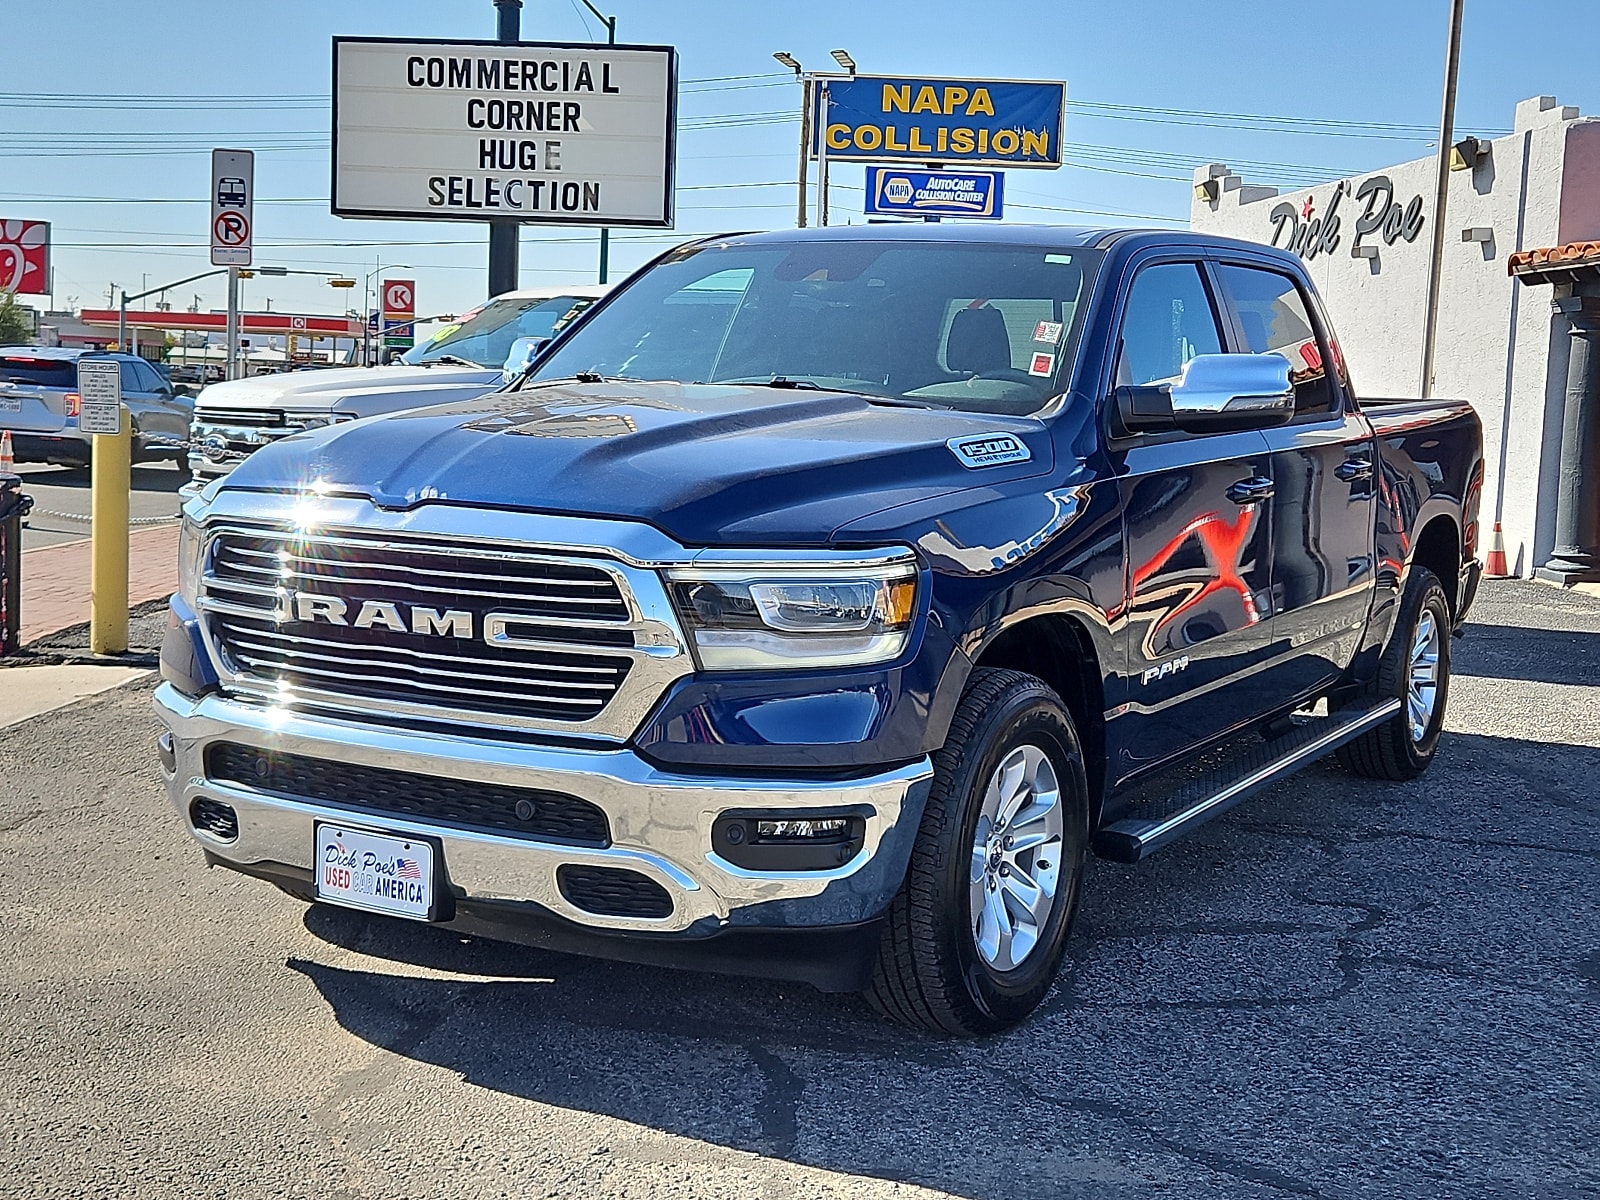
x: 461, y: 361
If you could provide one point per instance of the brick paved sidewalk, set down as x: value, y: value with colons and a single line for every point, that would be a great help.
x: 55, y: 579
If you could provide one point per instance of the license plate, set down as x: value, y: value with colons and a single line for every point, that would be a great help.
x: 10, y: 403
x: 378, y: 872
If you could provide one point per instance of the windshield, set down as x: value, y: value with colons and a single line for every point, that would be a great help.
x: 484, y: 335
x: 984, y: 328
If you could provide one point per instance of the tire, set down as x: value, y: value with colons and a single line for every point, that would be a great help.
x: 1401, y: 748
x: 942, y: 966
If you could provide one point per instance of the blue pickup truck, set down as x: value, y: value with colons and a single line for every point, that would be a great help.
x: 815, y: 604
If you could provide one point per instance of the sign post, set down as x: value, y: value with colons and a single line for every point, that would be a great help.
x: 233, y: 195
x: 101, y: 414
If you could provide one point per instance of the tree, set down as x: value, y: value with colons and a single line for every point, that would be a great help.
x: 16, y: 325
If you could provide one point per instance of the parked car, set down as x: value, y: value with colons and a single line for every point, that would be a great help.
x: 816, y: 604
x: 39, y: 404
x: 460, y: 361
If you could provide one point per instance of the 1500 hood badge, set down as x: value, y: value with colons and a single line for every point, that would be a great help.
x: 989, y: 450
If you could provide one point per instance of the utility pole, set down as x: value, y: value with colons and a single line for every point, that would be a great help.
x: 503, y: 234
x: 804, y: 80
x: 1447, y: 124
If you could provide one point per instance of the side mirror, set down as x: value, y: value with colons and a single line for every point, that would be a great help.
x: 1216, y: 393
x: 523, y: 351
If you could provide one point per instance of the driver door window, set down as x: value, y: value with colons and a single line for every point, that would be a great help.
x: 1169, y: 320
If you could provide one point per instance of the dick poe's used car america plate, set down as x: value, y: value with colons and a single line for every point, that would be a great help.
x: 381, y: 873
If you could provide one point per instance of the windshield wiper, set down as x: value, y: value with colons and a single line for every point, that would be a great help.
x: 783, y: 381
x: 457, y: 360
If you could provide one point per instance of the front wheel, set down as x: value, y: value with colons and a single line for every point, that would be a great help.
x: 976, y: 935
x: 1415, y: 669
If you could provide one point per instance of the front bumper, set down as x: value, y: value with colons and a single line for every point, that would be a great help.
x: 660, y: 826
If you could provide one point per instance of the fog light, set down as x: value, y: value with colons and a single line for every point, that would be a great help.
x: 168, y: 752
x: 760, y: 841
x: 832, y: 827
x: 216, y: 818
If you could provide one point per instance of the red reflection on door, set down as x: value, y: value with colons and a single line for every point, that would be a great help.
x: 1223, y: 544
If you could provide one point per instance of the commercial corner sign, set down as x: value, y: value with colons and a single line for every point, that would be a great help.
x: 537, y: 132
x: 100, y: 392
x: 233, y: 201
x: 876, y: 118
x: 895, y: 191
x: 25, y: 257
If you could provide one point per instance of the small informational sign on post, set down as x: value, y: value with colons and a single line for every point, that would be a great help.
x: 536, y: 132
x: 892, y: 191
x: 233, y: 196
x: 100, y: 388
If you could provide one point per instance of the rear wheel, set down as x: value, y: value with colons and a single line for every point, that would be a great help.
x: 977, y: 933
x: 1416, y: 670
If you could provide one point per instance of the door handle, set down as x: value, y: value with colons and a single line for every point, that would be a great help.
x: 1251, y: 491
x: 1352, y: 469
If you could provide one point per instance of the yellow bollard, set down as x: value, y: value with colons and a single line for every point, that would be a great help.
x: 108, y: 541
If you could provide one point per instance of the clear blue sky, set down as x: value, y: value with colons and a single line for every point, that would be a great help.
x: 1362, y: 61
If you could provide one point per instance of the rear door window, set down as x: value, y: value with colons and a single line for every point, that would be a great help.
x: 1275, y: 320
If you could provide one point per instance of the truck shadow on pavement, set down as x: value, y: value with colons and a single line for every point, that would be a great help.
x: 1536, y: 655
x: 1232, y: 969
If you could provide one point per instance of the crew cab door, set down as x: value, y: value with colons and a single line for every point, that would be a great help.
x: 1198, y: 555
x: 1323, y: 508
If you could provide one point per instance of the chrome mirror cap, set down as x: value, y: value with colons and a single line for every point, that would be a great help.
x: 521, y: 355
x: 1242, y: 384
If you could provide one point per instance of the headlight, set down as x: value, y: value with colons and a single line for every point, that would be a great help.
x: 788, y: 618
x: 190, y: 539
x: 317, y: 420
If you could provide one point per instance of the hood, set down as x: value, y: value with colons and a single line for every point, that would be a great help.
x: 363, y: 391
x: 707, y: 464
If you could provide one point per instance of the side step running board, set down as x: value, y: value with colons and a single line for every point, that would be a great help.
x: 1171, y: 808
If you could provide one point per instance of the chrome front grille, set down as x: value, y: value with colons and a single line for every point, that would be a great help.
x: 419, y: 629
x: 263, y: 418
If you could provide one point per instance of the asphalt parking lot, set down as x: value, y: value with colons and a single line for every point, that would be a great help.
x: 61, y: 499
x: 1341, y: 989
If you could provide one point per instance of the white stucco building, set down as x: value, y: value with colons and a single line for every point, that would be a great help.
x: 1367, y: 241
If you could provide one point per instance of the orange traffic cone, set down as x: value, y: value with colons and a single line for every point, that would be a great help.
x: 1494, y: 563
x: 8, y: 465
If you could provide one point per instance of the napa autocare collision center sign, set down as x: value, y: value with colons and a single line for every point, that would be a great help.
x: 542, y: 133
x: 875, y: 118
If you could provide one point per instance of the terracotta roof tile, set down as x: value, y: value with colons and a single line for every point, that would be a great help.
x: 1573, y: 254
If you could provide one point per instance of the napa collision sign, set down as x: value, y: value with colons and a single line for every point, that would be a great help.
x: 877, y: 118
x: 537, y: 132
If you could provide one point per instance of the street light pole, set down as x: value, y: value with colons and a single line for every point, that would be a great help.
x: 504, y: 234
x: 804, y: 80
x: 1447, y: 122
x: 605, y: 234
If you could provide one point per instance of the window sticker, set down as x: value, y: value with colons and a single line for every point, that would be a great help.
x: 1042, y: 364
x: 1047, y: 331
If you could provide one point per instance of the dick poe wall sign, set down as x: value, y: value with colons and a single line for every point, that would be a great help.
x: 875, y: 118
x: 25, y: 257
x: 537, y: 132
